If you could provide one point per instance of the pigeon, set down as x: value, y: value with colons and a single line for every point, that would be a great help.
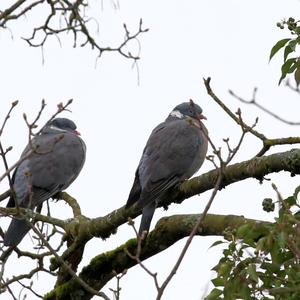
x: 174, y: 151
x: 52, y: 161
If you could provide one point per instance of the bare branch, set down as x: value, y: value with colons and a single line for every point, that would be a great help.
x: 67, y: 16
x: 228, y: 111
x: 26, y: 212
x: 137, y: 255
x: 13, y: 105
x: 5, y: 195
x: 66, y: 267
x: 6, y: 14
x: 11, y: 168
x: 267, y: 111
x: 267, y: 143
x: 71, y: 202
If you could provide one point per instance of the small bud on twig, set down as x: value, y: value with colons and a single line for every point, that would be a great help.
x: 15, y: 103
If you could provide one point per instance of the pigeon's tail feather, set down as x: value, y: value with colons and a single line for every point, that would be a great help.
x: 15, y: 232
x: 148, y: 212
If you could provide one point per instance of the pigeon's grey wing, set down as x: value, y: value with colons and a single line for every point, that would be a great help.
x: 53, y: 166
x: 135, y: 191
x: 57, y: 163
x: 22, y: 184
x: 172, y: 154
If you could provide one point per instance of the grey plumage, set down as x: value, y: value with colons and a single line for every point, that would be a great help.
x: 174, y: 151
x: 58, y: 155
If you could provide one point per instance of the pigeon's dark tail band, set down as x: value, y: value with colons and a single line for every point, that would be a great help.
x: 147, y: 216
x: 16, y: 231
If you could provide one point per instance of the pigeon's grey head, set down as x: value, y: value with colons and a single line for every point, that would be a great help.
x: 187, y: 109
x: 61, y: 125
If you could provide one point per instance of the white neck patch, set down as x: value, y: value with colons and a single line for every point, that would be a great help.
x: 177, y: 114
x: 57, y: 129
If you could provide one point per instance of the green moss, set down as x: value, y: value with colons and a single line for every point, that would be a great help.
x: 65, y: 292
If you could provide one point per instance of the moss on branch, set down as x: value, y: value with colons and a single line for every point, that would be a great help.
x: 168, y: 231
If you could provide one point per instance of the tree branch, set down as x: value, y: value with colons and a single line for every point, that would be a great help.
x: 68, y: 16
x: 168, y: 231
x: 267, y: 143
x: 84, y: 229
x: 261, y: 107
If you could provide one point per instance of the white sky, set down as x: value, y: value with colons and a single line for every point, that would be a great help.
x: 228, y: 40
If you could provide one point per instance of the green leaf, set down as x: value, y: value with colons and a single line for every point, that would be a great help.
x: 243, y: 230
x: 297, y: 215
x: 290, y: 201
x: 216, y: 244
x: 218, y: 281
x: 277, y: 47
x: 245, y: 292
x: 285, y: 257
x: 261, y: 244
x: 293, y: 67
x: 288, y: 67
x: 282, y: 238
x: 225, y: 269
x: 214, y: 294
x: 293, y: 44
x: 297, y: 30
x: 297, y: 190
x: 291, y: 47
x: 297, y: 75
x: 287, y: 51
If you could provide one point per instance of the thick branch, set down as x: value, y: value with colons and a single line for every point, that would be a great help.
x: 168, y: 231
x: 255, y: 168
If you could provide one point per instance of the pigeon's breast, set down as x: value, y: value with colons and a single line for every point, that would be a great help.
x: 198, y: 145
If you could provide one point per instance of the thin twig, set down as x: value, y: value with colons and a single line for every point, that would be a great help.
x: 88, y: 288
x: 26, y: 212
x: 10, y: 169
x: 13, y: 105
x: 190, y: 238
x: 267, y: 143
x: 261, y: 107
x: 228, y: 111
x: 137, y: 255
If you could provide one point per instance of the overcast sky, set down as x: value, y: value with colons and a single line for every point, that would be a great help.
x: 228, y: 40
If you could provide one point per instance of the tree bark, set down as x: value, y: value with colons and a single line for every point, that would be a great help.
x: 168, y: 231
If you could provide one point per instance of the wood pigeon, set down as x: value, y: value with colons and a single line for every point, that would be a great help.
x: 58, y: 155
x: 174, y: 151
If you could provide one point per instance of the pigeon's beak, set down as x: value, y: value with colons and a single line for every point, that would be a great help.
x: 77, y: 132
x: 201, y: 117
